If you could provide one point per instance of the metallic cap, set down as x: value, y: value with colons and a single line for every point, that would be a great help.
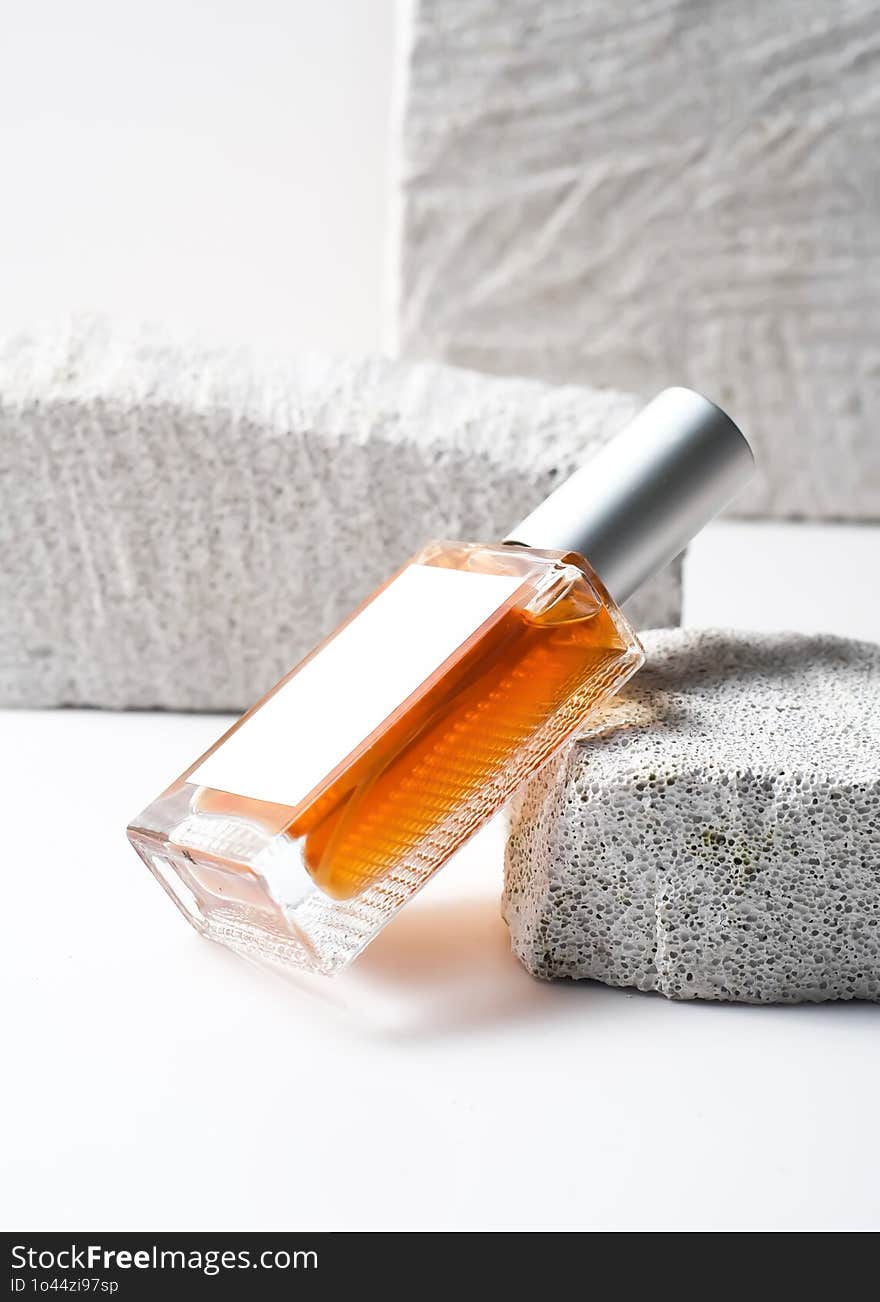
x: 639, y: 501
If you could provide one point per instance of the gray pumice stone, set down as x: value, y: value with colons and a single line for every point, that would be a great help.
x: 181, y: 525
x: 718, y: 835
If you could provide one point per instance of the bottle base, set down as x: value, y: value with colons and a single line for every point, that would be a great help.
x: 268, y: 910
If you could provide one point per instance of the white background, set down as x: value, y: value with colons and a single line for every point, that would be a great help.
x: 223, y: 169
x: 219, y: 167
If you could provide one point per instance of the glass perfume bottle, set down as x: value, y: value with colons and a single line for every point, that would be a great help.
x: 305, y: 828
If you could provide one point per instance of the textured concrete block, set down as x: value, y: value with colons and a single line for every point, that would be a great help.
x: 719, y: 836
x: 179, y: 528
x: 673, y: 191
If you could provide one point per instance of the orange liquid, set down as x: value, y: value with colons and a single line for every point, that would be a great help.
x: 428, y: 778
x: 445, y: 764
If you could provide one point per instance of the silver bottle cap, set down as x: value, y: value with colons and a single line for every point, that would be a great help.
x: 639, y: 501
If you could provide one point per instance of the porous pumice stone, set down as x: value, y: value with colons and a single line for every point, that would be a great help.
x: 617, y: 194
x: 180, y: 526
x: 718, y: 836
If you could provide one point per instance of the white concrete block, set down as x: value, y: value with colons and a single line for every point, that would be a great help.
x: 662, y: 193
x: 719, y: 836
x: 180, y: 527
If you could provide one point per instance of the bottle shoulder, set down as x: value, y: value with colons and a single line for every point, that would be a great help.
x: 492, y: 557
x: 554, y: 582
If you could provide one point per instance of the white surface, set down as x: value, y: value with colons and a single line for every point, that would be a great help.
x: 154, y: 1080
x: 772, y: 576
x: 217, y: 167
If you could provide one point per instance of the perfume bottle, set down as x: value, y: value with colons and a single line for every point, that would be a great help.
x: 304, y: 829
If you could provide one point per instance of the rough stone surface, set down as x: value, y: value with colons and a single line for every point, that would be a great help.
x: 670, y: 191
x: 179, y: 528
x: 719, y: 836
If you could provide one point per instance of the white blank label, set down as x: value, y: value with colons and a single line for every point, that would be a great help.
x: 340, y: 696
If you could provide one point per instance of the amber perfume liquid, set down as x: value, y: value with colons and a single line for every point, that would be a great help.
x: 387, y: 748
